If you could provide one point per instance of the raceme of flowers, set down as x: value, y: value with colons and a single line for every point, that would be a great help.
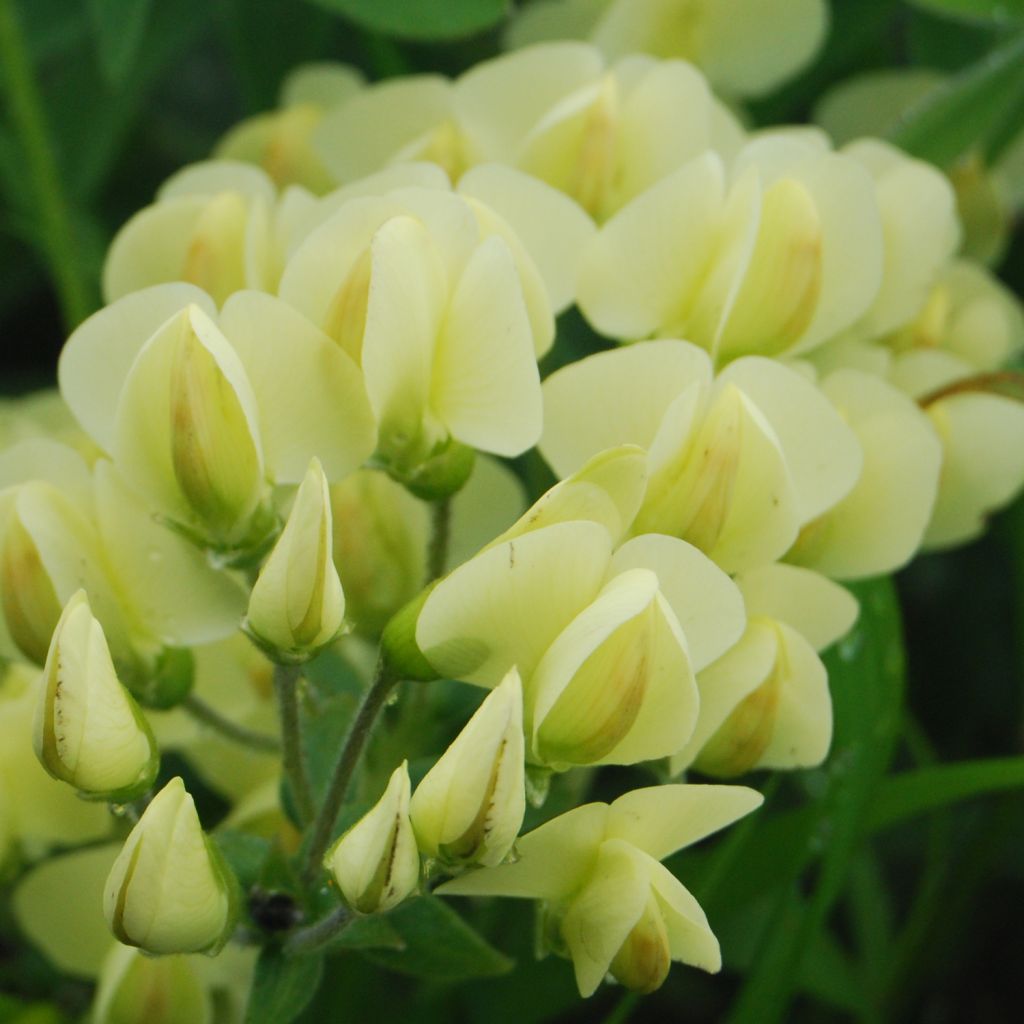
x: 289, y: 421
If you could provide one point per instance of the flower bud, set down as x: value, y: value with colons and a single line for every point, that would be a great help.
x: 170, y: 890
x: 30, y: 605
x: 643, y: 960
x: 214, y: 456
x: 376, y: 863
x: 158, y: 990
x: 297, y: 604
x: 89, y: 732
x: 380, y: 543
x: 469, y: 807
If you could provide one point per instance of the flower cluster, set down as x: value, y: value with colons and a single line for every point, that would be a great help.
x: 290, y: 418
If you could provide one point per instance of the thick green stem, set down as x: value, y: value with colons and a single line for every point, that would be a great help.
x: 27, y: 115
x: 373, y: 701
x: 312, y: 937
x: 210, y: 716
x: 286, y: 688
x: 437, y: 556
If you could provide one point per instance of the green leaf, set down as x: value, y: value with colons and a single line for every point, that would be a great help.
x: 373, y: 932
x: 866, y: 676
x: 246, y: 854
x: 414, y: 19
x: 914, y: 793
x: 119, y: 26
x: 968, y: 109
x: 438, y: 944
x: 996, y: 12
x: 283, y: 986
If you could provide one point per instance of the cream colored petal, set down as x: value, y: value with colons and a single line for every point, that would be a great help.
x: 59, y: 908
x: 982, y: 467
x: 39, y: 458
x: 321, y: 83
x: 665, y: 121
x: 309, y: 393
x: 152, y: 247
x: 879, y: 525
x: 662, y: 819
x: 554, y: 229
x: 148, y: 448
x: 210, y: 177
x: 728, y: 490
x: 608, y: 490
x: 602, y: 915
x: 553, y: 860
x: 406, y: 303
x: 821, y: 451
x: 485, y: 386
x: 99, y: 354
x: 726, y: 682
x: 616, y: 397
x: 366, y: 132
x: 690, y: 938
x: 615, y: 687
x: 705, y: 602
x: 803, y: 716
x: 167, y: 582
x: 822, y: 611
x: 500, y: 100
x: 919, y: 228
x: 505, y: 606
x: 642, y: 267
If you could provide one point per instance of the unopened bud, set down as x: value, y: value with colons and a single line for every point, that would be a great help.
x: 643, y: 961
x: 157, y: 990
x: 297, y: 604
x: 469, y: 807
x: 170, y: 890
x: 376, y: 863
x: 30, y: 605
x: 89, y: 732
x: 215, y: 457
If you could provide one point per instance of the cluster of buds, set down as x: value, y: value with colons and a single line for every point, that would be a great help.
x: 308, y: 340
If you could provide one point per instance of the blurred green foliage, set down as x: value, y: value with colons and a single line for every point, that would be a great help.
x: 881, y: 887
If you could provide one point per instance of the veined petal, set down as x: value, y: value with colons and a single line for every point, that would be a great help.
x: 309, y: 393
x: 615, y: 686
x: 880, y: 524
x: 641, y: 268
x: 98, y: 356
x: 608, y: 489
x: 554, y: 230
x: 705, y: 602
x: 822, y: 611
x: 982, y: 467
x: 803, y: 716
x: 485, y: 386
x: 505, y: 606
x: 167, y: 582
x: 726, y: 682
x: 690, y: 938
x: 600, y: 918
x: 405, y: 306
x: 370, y: 129
x: 821, y: 451
x: 500, y: 100
x: 662, y: 819
x: 554, y: 860
x: 613, y: 398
